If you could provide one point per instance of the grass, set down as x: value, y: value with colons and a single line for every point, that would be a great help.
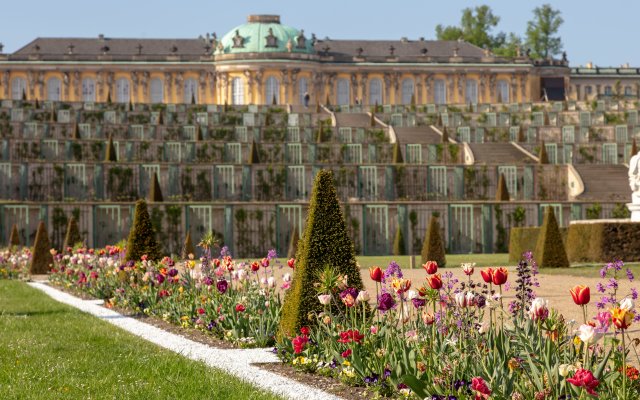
x: 588, y: 270
x: 453, y: 260
x: 53, y: 351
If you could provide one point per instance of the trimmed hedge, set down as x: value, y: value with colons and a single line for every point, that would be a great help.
x: 502, y: 194
x: 550, y: 251
x: 155, y: 192
x: 523, y: 239
x: 188, y: 247
x: 399, y: 247
x: 42, y: 257
x: 604, y: 242
x: 73, y: 235
x: 254, y: 155
x: 111, y: 155
x: 433, y: 246
x: 397, y: 154
x: 142, y: 237
x: 14, y: 238
x: 325, y: 242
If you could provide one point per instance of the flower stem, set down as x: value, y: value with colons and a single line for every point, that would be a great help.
x: 624, y: 367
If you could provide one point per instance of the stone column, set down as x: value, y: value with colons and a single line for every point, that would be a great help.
x: 168, y: 87
x: 202, y: 83
x: 492, y: 88
x: 144, y: 82
x: 428, y: 85
x: 5, y: 83
x: 514, y: 89
x: 295, y: 98
x: 285, y: 85
x: 482, y: 88
x: 417, y: 78
x: 135, y: 82
x: 249, y: 78
x: 387, y: 88
x: 523, y: 87
x: 462, y: 87
x: 451, y: 87
x: 363, y: 87
x: 77, y: 86
x: 179, y: 83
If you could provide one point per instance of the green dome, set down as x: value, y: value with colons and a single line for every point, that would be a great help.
x: 264, y: 34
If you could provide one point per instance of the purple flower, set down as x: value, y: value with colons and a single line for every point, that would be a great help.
x: 173, y: 272
x: 600, y: 287
x: 272, y: 254
x: 130, y: 263
x: 418, y: 302
x: 160, y: 278
x: 207, y: 281
x: 613, y: 284
x: 392, y: 270
x: 224, y: 252
x: 222, y: 286
x: 629, y: 275
x: 634, y: 293
x: 386, y: 302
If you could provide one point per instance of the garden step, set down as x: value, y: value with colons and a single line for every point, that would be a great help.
x: 499, y: 153
x: 353, y: 120
x: 604, y: 182
x: 417, y: 135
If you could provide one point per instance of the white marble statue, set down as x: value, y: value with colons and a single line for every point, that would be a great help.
x: 634, y: 178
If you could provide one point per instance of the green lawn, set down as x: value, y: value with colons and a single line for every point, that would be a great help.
x: 52, y: 351
x: 453, y: 260
x: 589, y: 270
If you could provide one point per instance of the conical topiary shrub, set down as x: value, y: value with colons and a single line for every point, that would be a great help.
x: 372, y: 121
x: 445, y: 135
x: 433, y: 246
x: 550, y: 251
x: 14, y: 238
x: 76, y: 132
x: 325, y: 243
x: 24, y: 95
x: 199, y: 136
x: 327, y: 102
x: 42, y: 259
x: 142, y: 237
x: 161, y: 118
x: 130, y: 105
x: 399, y: 248
x: 155, y: 192
x: 188, y: 247
x: 634, y: 147
x: 193, y: 98
x: 502, y: 194
x: 543, y: 158
x: 521, y: 134
x: 109, y: 97
x: 254, y: 154
x: 111, y: 155
x: 397, y: 154
x: 293, y: 243
x: 73, y: 235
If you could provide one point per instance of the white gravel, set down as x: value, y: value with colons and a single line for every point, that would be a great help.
x: 234, y: 361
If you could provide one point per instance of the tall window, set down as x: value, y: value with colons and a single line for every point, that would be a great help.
x: 53, y: 89
x: 439, y: 91
x: 375, y: 91
x: 471, y: 92
x: 343, y: 92
x: 157, y: 91
x: 123, y: 94
x: 190, y: 91
x: 88, y: 89
x: 303, y: 87
x: 588, y: 90
x: 608, y: 91
x: 272, y: 90
x: 407, y: 91
x: 237, y: 90
x: 18, y: 87
x: 503, y: 91
x: 627, y: 91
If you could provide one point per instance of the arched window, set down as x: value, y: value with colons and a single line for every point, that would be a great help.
x: 439, y: 91
x: 237, y: 90
x: 53, y: 89
x: 156, y: 91
x: 407, y: 91
x: 272, y: 91
x: 471, y: 92
x: 343, y: 92
x: 503, y: 91
x: 375, y: 92
x: 88, y: 89
x: 303, y: 87
x: 190, y: 91
x: 18, y: 88
x: 123, y: 94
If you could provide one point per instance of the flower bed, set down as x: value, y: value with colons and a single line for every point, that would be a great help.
x: 235, y: 301
x: 450, y: 339
x: 14, y: 263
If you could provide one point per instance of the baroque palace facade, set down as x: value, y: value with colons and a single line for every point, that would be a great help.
x: 266, y: 62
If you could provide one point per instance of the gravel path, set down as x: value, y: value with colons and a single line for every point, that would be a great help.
x: 236, y: 362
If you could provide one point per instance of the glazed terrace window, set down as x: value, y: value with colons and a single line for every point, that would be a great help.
x: 375, y: 91
x: 157, y: 91
x: 88, y: 90
x: 439, y: 91
x: 190, y: 91
x: 237, y: 90
x: 471, y: 92
x: 303, y: 87
x: 18, y: 87
x: 503, y: 91
x: 272, y: 90
x: 53, y: 89
x: 407, y: 90
x: 343, y: 92
x: 123, y: 94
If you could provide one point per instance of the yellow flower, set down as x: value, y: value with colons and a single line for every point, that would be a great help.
x: 577, y: 341
x: 621, y: 317
x: 181, y: 289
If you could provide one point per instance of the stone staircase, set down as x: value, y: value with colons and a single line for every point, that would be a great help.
x: 417, y: 135
x: 604, y: 182
x: 499, y: 153
x: 354, y: 120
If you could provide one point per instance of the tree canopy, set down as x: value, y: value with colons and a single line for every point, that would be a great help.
x: 542, y: 31
x: 477, y: 27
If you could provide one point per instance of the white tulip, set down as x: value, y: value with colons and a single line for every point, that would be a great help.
x: 627, y: 304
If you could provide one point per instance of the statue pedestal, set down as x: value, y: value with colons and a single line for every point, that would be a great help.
x: 635, y: 211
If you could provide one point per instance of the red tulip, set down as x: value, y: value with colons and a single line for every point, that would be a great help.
x: 581, y: 294
x: 240, y: 307
x: 434, y: 281
x: 291, y: 262
x: 431, y: 267
x: 487, y: 275
x: 500, y: 276
x: 255, y: 266
x: 376, y: 274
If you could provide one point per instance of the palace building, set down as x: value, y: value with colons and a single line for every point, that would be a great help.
x: 266, y: 62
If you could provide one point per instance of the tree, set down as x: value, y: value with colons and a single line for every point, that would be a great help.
x: 42, y: 257
x: 399, y: 248
x: 433, y: 246
x: 14, y: 238
x: 155, y: 192
x: 510, y: 47
x: 142, y: 237
x: 188, y: 247
x: 475, y: 27
x: 73, y: 235
x: 542, y: 31
x: 550, y: 251
x: 325, y: 243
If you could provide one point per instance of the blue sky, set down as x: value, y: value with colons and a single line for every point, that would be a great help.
x: 603, y: 32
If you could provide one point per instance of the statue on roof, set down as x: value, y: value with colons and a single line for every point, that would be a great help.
x: 301, y: 41
x: 272, y: 41
x: 238, y: 41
